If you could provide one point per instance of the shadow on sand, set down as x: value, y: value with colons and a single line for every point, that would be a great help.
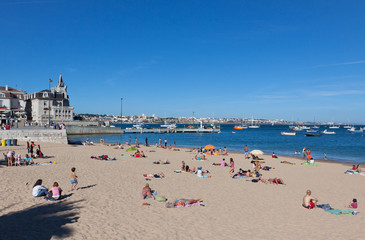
x: 86, y: 187
x: 40, y: 222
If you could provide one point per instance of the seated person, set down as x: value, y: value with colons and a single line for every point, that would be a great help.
x: 183, y: 167
x: 274, y: 155
x: 356, y: 168
x: 183, y: 202
x: 142, y: 154
x: 28, y: 160
x: 353, y: 204
x: 200, y: 173
x: 309, y: 201
x: 223, y: 163
x: 56, y: 191
x: 147, y: 192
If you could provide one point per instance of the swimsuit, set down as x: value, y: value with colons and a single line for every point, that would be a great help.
x: 73, y: 180
x: 310, y: 206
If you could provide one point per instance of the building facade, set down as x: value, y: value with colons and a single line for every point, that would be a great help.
x: 49, y: 105
x: 12, y: 105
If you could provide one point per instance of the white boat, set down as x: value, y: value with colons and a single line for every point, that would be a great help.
x: 305, y: 128
x: 334, y: 127
x: 312, y: 131
x: 315, y: 127
x: 328, y: 132
x: 253, y: 125
x: 288, y: 133
x: 353, y: 130
x: 168, y: 125
x: 296, y: 128
x: 347, y: 126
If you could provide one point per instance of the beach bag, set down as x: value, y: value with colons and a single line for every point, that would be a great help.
x: 160, y: 198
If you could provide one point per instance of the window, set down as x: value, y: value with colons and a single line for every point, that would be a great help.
x: 2, y: 95
x: 45, y: 94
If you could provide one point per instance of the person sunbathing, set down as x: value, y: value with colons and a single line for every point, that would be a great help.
x: 182, y: 202
x: 162, y: 162
x: 356, y: 168
x: 286, y: 162
x: 147, y: 192
x: 309, y: 201
x: 156, y: 175
x: 272, y: 181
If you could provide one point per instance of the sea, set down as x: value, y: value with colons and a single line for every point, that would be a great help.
x: 341, y: 147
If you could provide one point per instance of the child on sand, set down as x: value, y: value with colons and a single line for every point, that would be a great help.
x: 353, y: 204
x: 73, y: 179
x: 56, y: 191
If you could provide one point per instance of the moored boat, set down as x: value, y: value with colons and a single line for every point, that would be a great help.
x: 288, y: 133
x: 313, y: 134
x: 328, y: 132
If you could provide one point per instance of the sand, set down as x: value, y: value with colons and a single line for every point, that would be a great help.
x: 108, y: 204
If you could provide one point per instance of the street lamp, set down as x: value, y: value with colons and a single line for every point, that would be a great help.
x: 121, y: 113
x: 49, y: 103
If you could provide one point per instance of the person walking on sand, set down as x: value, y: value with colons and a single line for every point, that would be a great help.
x: 159, y: 142
x: 303, y: 151
x: 309, y: 201
x: 146, y: 142
x: 165, y: 142
x: 246, y: 151
x: 73, y: 179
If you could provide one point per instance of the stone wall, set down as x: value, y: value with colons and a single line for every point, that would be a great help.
x: 80, y: 130
x: 39, y: 135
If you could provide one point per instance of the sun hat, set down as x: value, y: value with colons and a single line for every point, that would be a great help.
x: 200, y: 167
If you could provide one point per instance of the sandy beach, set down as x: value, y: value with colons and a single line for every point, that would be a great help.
x: 108, y: 203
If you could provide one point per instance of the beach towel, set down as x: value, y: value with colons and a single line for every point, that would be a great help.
x: 241, y: 176
x: 310, y: 164
x: 342, y: 212
x: 122, y: 155
x: 160, y: 198
x: 329, y: 209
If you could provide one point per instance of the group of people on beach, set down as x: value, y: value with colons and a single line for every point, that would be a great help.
x: 55, y: 192
x: 14, y: 159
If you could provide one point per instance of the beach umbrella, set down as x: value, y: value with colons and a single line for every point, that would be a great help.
x: 131, y: 149
x: 257, y: 152
x: 208, y: 147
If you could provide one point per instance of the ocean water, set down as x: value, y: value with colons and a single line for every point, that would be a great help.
x: 341, y: 147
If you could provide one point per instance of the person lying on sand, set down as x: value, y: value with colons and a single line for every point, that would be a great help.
x: 309, y: 201
x: 222, y: 163
x: 147, y: 192
x: 162, y: 162
x: 202, y: 157
x: 272, y: 181
x: 156, y: 175
x: 183, y: 201
x: 286, y: 162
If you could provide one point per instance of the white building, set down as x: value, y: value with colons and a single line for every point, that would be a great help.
x: 12, y: 105
x: 46, y: 105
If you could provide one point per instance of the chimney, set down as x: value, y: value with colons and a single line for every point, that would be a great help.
x: 6, y: 88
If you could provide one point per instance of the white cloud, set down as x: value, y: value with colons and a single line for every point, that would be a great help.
x: 338, y: 64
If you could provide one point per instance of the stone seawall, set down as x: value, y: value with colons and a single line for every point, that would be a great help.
x: 38, y: 135
x: 83, y: 130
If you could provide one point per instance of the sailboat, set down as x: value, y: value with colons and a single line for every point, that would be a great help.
x: 252, y: 125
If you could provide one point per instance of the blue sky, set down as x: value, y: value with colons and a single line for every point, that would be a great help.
x: 293, y: 60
